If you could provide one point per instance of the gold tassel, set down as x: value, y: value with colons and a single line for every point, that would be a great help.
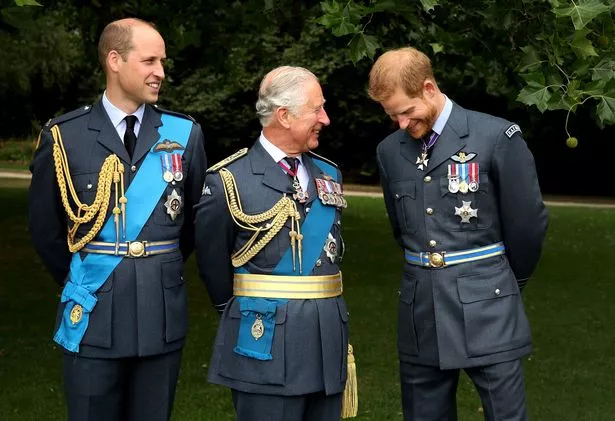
x: 350, y: 398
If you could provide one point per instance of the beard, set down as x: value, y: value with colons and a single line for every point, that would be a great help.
x: 426, y: 124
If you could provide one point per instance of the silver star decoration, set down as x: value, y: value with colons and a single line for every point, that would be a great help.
x: 466, y: 212
x: 422, y: 161
x: 173, y: 204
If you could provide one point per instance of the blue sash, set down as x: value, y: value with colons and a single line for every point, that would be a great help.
x: 315, y: 231
x: 87, y: 276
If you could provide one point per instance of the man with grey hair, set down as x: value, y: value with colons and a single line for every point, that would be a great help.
x: 273, y: 271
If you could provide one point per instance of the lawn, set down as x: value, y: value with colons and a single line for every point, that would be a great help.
x: 568, y: 378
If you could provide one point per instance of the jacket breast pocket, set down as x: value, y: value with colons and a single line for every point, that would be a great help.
x: 493, y: 314
x: 175, y: 300
x: 481, y: 200
x: 406, y: 332
x: 251, y: 370
x: 99, y: 329
x: 404, y: 195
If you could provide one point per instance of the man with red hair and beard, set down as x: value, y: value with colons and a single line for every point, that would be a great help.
x: 463, y: 200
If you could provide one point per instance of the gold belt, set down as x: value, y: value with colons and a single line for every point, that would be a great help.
x: 132, y: 248
x: 293, y: 287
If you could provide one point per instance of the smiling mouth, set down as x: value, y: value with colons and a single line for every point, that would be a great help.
x: 154, y: 85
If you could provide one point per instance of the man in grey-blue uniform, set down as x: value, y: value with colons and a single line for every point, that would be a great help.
x: 464, y: 203
x: 113, y: 186
x: 274, y: 268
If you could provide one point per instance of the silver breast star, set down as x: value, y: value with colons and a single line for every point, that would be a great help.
x: 466, y: 212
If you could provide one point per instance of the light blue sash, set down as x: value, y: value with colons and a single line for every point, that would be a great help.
x: 87, y: 276
x: 315, y: 231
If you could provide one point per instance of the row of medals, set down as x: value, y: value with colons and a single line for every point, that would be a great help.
x: 331, y: 193
x: 468, y: 183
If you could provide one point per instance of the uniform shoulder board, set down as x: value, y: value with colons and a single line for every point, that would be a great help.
x: 175, y: 113
x: 322, y: 158
x: 69, y: 116
x: 514, y: 128
x: 227, y: 160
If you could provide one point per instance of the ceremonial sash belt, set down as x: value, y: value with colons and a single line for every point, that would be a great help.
x: 88, y: 275
x: 132, y: 248
x: 444, y: 258
x: 293, y: 287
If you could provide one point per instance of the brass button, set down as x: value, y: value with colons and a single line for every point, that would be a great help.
x: 429, y: 211
x: 427, y: 179
x: 89, y: 186
x: 396, y: 196
x: 307, y: 210
x: 133, y: 168
x: 318, y: 263
x: 497, y: 291
x: 432, y: 243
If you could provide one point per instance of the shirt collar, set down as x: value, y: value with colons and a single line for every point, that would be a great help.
x: 276, y: 153
x: 438, y: 126
x: 116, y: 115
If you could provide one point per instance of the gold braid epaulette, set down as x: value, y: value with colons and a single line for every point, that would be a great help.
x: 284, y: 209
x: 112, y: 171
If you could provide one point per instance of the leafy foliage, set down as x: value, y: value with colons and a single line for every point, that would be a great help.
x: 562, y: 50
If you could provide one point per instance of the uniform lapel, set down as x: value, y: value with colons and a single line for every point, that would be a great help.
x: 409, y: 147
x: 148, y: 134
x: 107, y: 135
x: 452, y: 139
x: 314, y: 172
x: 263, y: 164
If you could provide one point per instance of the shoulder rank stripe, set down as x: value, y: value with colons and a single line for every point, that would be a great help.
x: 512, y: 130
x: 175, y: 113
x: 322, y: 158
x: 227, y: 160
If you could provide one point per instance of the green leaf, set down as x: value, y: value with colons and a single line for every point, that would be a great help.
x: 594, y: 88
x: 361, y: 46
x: 344, y: 27
x: 27, y: 3
x: 530, y: 60
x: 604, y: 70
x: 436, y: 47
x: 269, y: 4
x: 582, y: 12
x: 535, y: 94
x: 429, y: 5
x: 581, y: 46
x: 606, y: 110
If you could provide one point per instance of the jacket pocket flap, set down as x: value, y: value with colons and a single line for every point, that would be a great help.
x: 404, y: 188
x: 172, y: 273
x: 486, y: 286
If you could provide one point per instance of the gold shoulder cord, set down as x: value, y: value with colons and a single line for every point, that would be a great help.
x: 112, y: 171
x: 284, y: 209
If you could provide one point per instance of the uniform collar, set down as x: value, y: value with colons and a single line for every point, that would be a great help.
x: 276, y: 153
x: 117, y: 116
x: 438, y: 126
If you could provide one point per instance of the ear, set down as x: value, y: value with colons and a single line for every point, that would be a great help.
x: 429, y: 88
x: 113, y: 61
x: 283, y: 117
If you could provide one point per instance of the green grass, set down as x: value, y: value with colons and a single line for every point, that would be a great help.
x: 568, y: 378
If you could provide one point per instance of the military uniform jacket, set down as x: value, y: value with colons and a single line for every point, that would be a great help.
x: 472, y: 313
x: 310, y: 338
x: 141, y: 308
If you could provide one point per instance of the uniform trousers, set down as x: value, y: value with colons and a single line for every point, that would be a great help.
x: 312, y: 407
x: 429, y: 393
x: 122, y: 389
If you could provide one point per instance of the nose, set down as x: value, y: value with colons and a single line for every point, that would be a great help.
x: 323, y: 118
x: 403, y: 122
x: 159, y: 71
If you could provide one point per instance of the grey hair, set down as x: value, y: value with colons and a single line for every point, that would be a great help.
x: 282, y: 87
